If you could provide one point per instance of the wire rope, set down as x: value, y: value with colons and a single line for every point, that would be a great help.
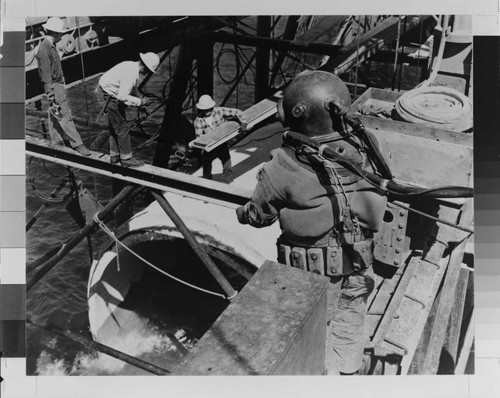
x: 118, y: 242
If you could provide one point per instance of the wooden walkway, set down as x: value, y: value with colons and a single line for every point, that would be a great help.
x: 147, y: 175
x: 409, y: 316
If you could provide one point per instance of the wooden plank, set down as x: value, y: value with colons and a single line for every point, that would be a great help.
x: 427, y: 282
x: 378, y: 305
x: 463, y: 358
x: 147, y: 175
x: 276, y: 325
x: 393, y: 310
x: 456, y: 318
x: 438, y: 333
x: 228, y: 130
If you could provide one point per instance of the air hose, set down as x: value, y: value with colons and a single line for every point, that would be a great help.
x: 436, y: 106
x: 360, y: 131
x: 310, y: 146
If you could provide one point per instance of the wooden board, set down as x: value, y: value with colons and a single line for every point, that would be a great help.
x: 275, y: 326
x: 228, y: 130
x: 147, y: 175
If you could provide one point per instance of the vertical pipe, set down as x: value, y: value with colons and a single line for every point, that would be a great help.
x: 202, y: 254
x: 262, y: 59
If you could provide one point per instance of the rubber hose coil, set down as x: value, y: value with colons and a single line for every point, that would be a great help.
x: 438, y: 107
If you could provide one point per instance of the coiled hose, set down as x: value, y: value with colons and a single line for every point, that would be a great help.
x: 386, y: 186
x: 436, y: 106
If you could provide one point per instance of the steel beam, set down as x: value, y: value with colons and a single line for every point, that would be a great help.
x: 147, y: 175
x: 277, y: 44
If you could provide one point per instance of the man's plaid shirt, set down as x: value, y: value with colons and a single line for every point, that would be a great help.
x: 219, y: 115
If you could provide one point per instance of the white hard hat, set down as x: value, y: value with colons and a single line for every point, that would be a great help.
x: 205, y: 102
x: 54, y: 25
x: 151, y: 60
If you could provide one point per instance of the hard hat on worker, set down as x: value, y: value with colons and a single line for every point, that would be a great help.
x: 151, y: 60
x: 306, y: 106
x: 205, y: 102
x: 54, y: 25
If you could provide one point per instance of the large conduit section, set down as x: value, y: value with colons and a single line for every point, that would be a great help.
x: 436, y: 106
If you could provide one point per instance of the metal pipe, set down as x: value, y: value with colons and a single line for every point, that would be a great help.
x: 198, y: 249
x: 42, y: 208
x: 149, y: 367
x: 85, y: 231
x: 262, y: 60
x: 47, y: 256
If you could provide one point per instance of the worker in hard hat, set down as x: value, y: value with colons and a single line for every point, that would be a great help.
x: 116, y: 90
x: 61, y: 125
x: 327, y: 214
x: 209, y: 117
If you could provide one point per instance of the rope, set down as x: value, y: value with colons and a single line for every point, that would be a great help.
x: 436, y: 106
x: 28, y: 63
x: 396, y: 55
x: 118, y: 242
x: 437, y: 219
x: 400, y: 77
x: 357, y: 60
x: 89, y: 139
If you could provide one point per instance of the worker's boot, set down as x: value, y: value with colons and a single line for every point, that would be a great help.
x: 132, y: 162
x: 114, y: 159
x: 82, y: 150
x: 227, y: 171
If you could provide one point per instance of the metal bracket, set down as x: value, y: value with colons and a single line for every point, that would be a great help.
x: 390, y: 239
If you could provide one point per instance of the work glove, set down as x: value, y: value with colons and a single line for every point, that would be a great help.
x: 55, y: 110
x: 145, y: 101
x: 243, y: 126
x: 241, y: 214
x: 54, y: 107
